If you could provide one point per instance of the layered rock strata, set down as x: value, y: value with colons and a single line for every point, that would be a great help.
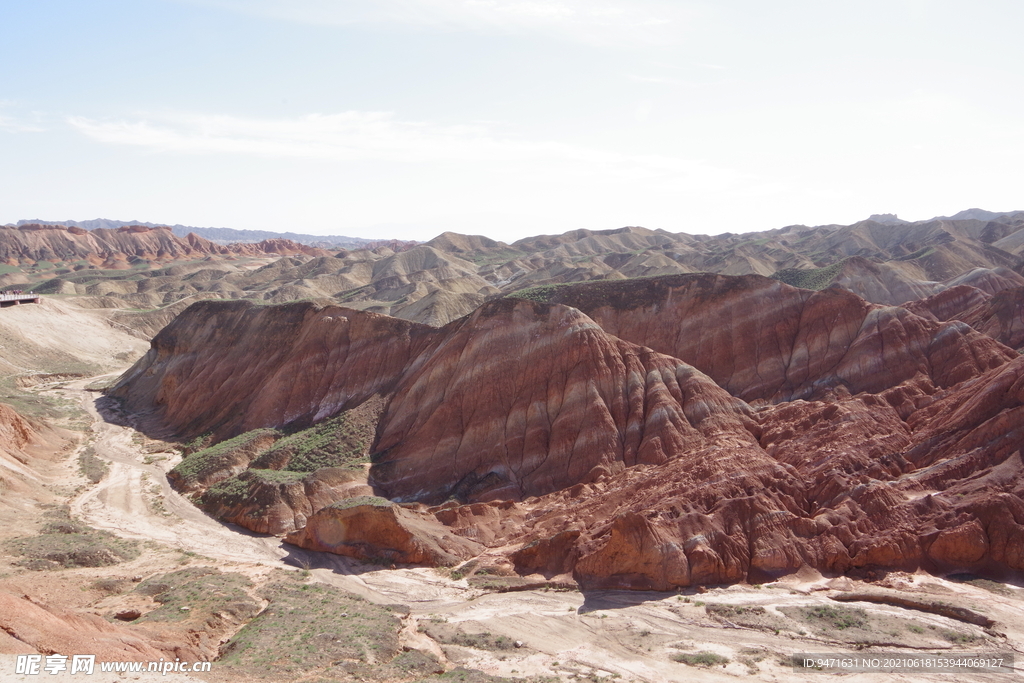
x: 581, y: 434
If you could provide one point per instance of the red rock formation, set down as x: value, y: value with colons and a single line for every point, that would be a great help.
x: 1001, y: 317
x: 949, y: 304
x: 302, y: 363
x: 761, y: 339
x: 268, y: 505
x: 473, y: 420
x: 374, y: 529
x: 28, y: 626
x: 605, y: 456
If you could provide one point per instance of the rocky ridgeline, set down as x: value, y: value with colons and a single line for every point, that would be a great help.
x: 643, y: 434
x: 117, y: 248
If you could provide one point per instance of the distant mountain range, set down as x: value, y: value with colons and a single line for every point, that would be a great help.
x: 232, y: 236
x: 221, y: 235
x: 884, y: 260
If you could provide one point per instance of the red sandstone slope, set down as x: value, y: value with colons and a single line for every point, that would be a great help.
x: 26, y: 448
x: 589, y: 453
x: 227, y: 367
x: 523, y: 398
x: 762, y: 339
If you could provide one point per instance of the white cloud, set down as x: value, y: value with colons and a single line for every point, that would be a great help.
x: 355, y: 136
x: 594, y: 21
x: 15, y: 126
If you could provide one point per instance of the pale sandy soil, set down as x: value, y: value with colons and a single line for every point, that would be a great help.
x: 624, y: 636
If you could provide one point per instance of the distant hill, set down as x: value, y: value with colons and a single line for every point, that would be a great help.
x: 222, y: 235
x: 884, y: 260
x: 977, y: 215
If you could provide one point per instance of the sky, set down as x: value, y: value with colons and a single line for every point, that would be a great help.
x: 508, y: 118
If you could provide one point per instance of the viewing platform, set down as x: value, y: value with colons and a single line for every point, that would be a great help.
x: 17, y: 299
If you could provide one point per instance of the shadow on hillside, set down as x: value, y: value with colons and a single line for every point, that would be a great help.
x: 594, y: 600
x: 311, y: 559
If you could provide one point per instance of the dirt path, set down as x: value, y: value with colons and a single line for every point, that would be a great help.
x: 626, y: 635
x: 135, y: 500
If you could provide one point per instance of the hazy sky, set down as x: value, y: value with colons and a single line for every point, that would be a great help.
x: 403, y: 118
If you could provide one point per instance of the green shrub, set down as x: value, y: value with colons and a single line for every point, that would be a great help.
x: 839, y: 617
x: 815, y: 278
x: 703, y: 658
x: 337, y: 442
x: 204, y: 463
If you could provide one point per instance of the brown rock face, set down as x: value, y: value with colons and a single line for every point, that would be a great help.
x: 303, y: 363
x: 1001, y: 317
x: 763, y: 340
x: 472, y: 419
x: 275, y: 506
x: 374, y: 529
x: 949, y: 304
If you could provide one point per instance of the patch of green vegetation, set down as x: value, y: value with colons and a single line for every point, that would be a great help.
x: 920, y: 253
x: 451, y: 634
x: 6, y: 269
x: 351, y: 294
x: 337, y: 442
x: 464, y: 675
x: 347, y: 503
x: 91, y: 467
x: 703, y: 658
x: 204, y: 463
x: 815, y: 278
x: 198, y: 592
x: 65, y: 543
x: 734, y: 610
x: 838, y: 617
x: 307, y: 628
x: 958, y: 637
x: 241, y: 488
x: 540, y: 293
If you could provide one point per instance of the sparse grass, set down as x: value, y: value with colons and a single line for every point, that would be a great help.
x: 91, y: 467
x: 66, y: 543
x: 838, y: 617
x: 958, y: 637
x: 464, y: 675
x: 731, y: 611
x: 704, y: 658
x: 203, y: 591
x: 307, y: 627
x: 112, y: 585
x: 361, y: 500
x: 451, y: 634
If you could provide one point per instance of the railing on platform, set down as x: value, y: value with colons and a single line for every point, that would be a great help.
x: 19, y: 298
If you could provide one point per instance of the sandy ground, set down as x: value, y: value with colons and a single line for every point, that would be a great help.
x: 627, y: 635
